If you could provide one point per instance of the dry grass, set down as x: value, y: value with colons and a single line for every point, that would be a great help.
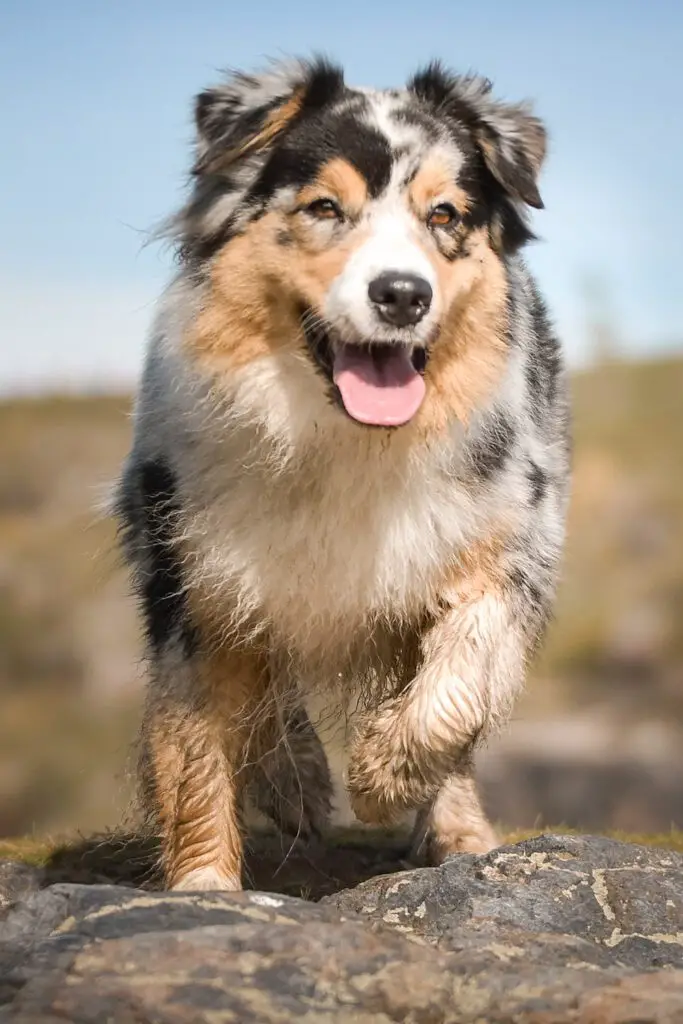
x: 672, y: 840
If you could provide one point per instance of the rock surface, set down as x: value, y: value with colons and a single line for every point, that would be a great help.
x: 553, y: 929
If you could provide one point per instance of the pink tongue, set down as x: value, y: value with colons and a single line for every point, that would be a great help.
x: 381, y: 388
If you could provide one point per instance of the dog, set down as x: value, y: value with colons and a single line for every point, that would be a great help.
x: 351, y: 459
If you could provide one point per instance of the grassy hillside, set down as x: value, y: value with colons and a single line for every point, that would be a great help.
x: 69, y: 654
x: 69, y: 661
x: 618, y: 629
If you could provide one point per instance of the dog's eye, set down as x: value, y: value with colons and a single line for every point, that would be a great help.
x: 325, y: 209
x: 442, y: 215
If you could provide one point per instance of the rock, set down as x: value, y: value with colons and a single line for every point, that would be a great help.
x: 553, y: 929
x: 609, y: 895
x: 17, y: 880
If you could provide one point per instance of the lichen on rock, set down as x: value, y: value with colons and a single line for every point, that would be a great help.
x: 558, y: 928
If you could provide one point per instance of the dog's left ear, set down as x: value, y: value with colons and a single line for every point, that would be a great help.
x: 511, y: 139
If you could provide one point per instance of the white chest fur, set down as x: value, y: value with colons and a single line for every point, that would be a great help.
x: 355, y: 529
x: 303, y: 523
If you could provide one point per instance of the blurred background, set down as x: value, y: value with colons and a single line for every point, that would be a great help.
x: 95, y: 127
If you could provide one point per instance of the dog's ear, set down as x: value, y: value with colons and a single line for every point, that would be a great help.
x: 512, y: 141
x: 246, y: 113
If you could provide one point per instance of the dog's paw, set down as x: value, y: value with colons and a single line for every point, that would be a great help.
x: 372, y: 808
x: 442, y: 845
x: 380, y: 780
x: 206, y: 879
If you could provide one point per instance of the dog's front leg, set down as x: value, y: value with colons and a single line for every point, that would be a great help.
x: 472, y: 666
x: 455, y: 822
x: 202, y: 711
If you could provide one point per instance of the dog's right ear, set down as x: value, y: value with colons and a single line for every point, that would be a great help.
x: 248, y: 113
x: 510, y: 138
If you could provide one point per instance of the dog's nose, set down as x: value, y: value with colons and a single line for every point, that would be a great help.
x: 400, y: 299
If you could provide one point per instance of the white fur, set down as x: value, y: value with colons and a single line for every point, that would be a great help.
x: 320, y: 529
x: 324, y: 527
x: 392, y: 245
x: 207, y: 880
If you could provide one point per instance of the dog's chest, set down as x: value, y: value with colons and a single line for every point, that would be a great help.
x: 332, y: 541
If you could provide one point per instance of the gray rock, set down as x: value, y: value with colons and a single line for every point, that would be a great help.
x: 554, y: 929
x: 17, y: 880
x: 623, y: 900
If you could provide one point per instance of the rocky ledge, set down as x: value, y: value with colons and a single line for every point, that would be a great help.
x: 552, y: 929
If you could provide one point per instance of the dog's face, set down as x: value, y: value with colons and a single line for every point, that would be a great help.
x: 355, y: 226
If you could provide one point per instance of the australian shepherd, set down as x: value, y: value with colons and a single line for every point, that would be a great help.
x: 351, y: 459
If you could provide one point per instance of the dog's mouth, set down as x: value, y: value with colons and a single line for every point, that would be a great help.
x: 379, y: 384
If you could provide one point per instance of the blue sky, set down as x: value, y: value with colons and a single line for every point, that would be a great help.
x: 95, y: 128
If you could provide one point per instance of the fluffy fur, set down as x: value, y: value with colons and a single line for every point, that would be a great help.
x: 279, y: 545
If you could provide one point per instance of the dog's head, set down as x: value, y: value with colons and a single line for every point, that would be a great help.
x: 355, y: 226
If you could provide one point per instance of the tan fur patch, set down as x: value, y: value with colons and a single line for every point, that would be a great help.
x: 243, y: 317
x: 477, y: 571
x: 256, y: 287
x: 457, y: 822
x: 434, y: 181
x: 274, y: 124
x: 339, y: 180
x: 197, y: 730
x: 468, y: 358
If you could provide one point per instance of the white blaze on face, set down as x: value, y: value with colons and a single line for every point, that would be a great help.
x: 383, y: 385
x: 392, y: 245
x: 380, y: 386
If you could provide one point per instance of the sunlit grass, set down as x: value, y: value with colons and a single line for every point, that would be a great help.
x: 672, y: 840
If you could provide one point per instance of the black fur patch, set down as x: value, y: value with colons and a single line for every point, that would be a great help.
x: 492, y: 447
x: 148, y: 507
x: 224, y: 123
x: 315, y: 141
x: 544, y: 364
x: 324, y: 86
x: 539, y: 482
x: 528, y: 589
x: 433, y: 84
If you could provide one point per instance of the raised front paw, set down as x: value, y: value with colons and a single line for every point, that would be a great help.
x: 397, y: 764
x: 371, y: 808
x: 383, y: 779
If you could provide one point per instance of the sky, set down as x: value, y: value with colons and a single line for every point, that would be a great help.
x: 96, y: 128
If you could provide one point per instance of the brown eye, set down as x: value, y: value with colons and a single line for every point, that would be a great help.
x: 325, y: 209
x: 442, y: 215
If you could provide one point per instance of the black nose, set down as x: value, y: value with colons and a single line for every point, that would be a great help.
x: 401, y: 299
